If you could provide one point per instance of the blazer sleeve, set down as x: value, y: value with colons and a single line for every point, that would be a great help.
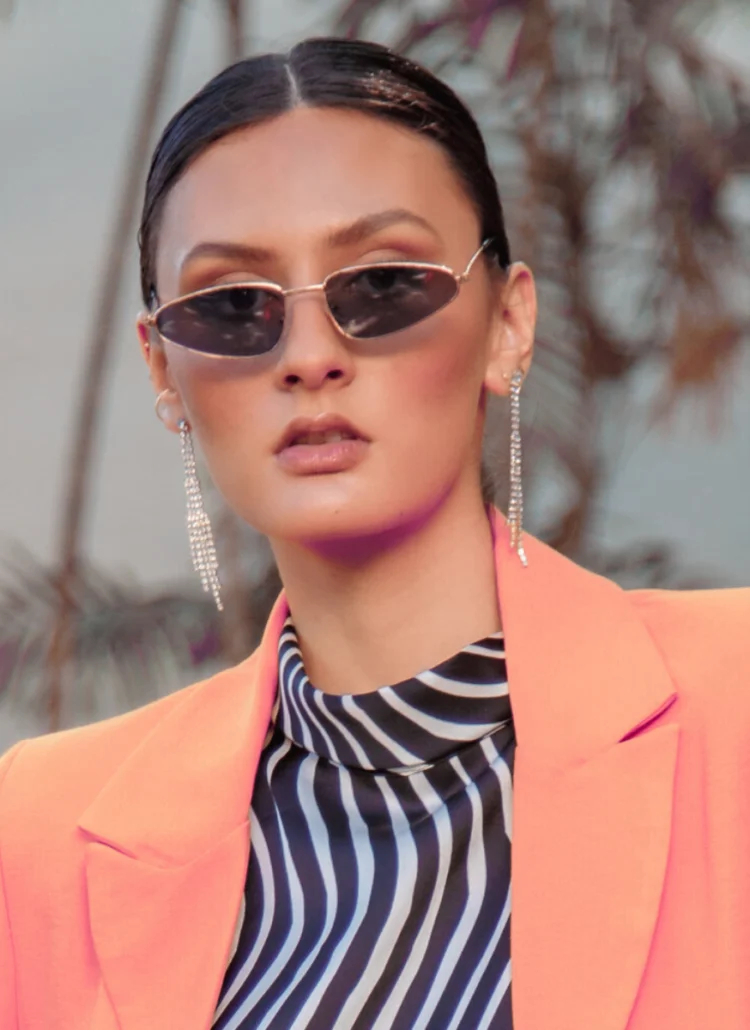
x: 8, y: 1001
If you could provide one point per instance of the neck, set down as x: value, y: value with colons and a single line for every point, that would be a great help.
x: 400, y: 609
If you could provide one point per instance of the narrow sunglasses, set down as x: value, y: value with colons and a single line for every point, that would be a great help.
x: 364, y: 301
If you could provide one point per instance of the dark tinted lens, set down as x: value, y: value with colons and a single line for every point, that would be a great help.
x: 379, y: 300
x: 232, y: 321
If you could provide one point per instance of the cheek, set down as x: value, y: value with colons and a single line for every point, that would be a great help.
x: 218, y: 394
x: 440, y: 380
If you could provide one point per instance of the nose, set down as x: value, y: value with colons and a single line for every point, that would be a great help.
x: 313, y: 353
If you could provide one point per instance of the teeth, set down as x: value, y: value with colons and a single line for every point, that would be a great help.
x: 333, y: 436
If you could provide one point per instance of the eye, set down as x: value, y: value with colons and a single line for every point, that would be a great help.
x: 389, y: 281
x: 241, y: 303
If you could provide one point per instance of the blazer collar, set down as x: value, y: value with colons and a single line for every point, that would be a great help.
x: 168, y: 833
x: 573, y: 645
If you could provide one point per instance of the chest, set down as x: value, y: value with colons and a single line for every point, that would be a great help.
x: 376, y: 898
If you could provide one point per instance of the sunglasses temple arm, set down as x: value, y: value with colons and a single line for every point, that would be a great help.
x: 473, y: 261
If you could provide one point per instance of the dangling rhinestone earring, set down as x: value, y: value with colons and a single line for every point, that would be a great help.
x: 515, y: 506
x: 202, y: 547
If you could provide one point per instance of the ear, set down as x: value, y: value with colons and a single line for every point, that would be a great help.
x: 169, y: 406
x: 512, y: 343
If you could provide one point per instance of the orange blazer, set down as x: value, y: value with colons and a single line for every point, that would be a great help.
x: 124, y: 844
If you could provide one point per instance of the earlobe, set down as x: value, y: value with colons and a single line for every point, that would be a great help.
x: 498, y: 379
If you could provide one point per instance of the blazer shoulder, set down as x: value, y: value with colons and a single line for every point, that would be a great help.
x: 66, y: 767
x: 704, y: 639
x: 56, y: 776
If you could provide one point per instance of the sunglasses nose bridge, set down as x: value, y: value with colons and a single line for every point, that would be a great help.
x: 297, y: 291
x: 320, y: 288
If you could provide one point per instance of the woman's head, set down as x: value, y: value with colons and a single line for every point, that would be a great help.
x: 286, y: 168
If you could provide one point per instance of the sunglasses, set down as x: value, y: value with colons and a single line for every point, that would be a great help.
x: 364, y: 301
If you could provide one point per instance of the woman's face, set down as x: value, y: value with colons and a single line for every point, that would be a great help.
x: 303, y: 195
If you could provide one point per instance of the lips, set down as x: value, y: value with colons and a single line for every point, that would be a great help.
x: 324, y: 429
x: 321, y: 446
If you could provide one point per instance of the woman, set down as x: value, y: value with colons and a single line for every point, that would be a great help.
x: 320, y: 838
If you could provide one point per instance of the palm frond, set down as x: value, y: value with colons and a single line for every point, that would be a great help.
x: 141, y: 645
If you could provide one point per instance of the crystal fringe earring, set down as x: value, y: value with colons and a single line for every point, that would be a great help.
x: 515, y: 506
x: 202, y: 547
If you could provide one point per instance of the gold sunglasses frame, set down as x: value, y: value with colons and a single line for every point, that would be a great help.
x: 149, y: 320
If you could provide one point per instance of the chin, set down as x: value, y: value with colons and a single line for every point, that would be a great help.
x: 332, y: 518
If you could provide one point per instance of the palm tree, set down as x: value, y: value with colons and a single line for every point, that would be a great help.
x: 587, y: 108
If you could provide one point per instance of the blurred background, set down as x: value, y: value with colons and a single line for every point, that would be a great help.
x: 620, y: 132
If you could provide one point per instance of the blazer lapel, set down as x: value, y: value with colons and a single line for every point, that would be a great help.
x: 167, y: 850
x: 593, y: 785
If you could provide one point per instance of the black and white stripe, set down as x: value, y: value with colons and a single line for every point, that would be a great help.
x: 378, y: 887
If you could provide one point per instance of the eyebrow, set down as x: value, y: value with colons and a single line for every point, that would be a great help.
x: 348, y: 235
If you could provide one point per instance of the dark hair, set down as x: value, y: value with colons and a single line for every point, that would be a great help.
x: 324, y: 72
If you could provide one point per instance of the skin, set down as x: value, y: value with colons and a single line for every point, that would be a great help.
x: 397, y: 549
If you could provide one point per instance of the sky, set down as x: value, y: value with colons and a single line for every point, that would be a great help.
x: 70, y: 74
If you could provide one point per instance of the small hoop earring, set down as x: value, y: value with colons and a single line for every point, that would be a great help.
x: 515, y: 506
x: 158, y: 405
x: 200, y: 535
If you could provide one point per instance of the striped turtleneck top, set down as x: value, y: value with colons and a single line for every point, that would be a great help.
x: 378, y: 887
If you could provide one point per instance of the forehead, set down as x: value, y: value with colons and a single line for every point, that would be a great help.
x: 289, y: 181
